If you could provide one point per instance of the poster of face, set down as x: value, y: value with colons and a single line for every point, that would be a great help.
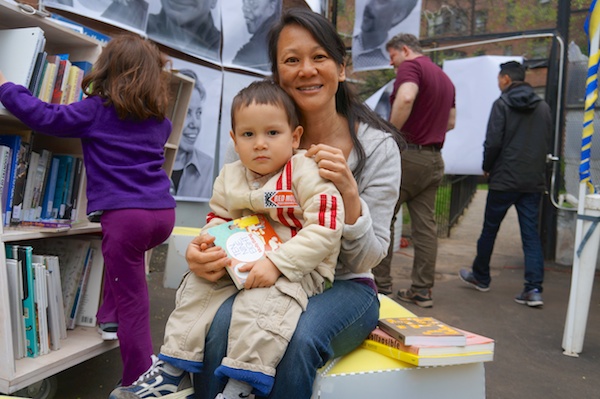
x: 376, y: 22
x: 232, y: 84
x: 193, y: 171
x: 193, y: 27
x: 380, y: 100
x: 127, y: 14
x: 245, y: 33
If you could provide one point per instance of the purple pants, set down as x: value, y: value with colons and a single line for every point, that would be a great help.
x: 127, y: 235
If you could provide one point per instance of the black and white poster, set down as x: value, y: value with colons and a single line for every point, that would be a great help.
x: 192, y: 27
x: 232, y: 84
x: 194, y: 168
x: 376, y: 22
x: 245, y: 31
x: 127, y: 14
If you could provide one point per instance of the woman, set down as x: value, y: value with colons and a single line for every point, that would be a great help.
x: 358, y: 152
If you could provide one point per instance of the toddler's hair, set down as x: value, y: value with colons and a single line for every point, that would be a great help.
x: 129, y: 74
x: 265, y: 92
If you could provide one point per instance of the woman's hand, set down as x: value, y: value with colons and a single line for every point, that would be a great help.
x: 333, y: 166
x: 206, y: 260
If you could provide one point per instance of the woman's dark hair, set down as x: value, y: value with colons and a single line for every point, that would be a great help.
x: 129, y: 74
x: 347, y: 101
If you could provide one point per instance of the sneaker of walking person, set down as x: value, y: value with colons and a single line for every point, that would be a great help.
x: 468, y: 278
x: 420, y: 298
x: 531, y: 298
x: 160, y: 380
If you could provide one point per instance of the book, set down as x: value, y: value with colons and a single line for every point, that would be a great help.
x: 60, y: 84
x: 20, y: 175
x: 5, y: 163
x: 432, y: 360
x: 90, y: 301
x: 475, y: 343
x: 62, y: 183
x: 14, y: 142
x: 81, y: 288
x: 75, y: 193
x: 24, y: 253
x: 50, y: 72
x: 422, y: 331
x: 23, y: 45
x: 72, y: 254
x: 246, y: 239
x: 39, y: 183
x: 41, y: 306
x: 26, y: 210
x: 76, y: 26
x: 74, y: 92
x: 63, y: 224
x: 38, y: 72
x: 46, y: 211
x: 15, y: 288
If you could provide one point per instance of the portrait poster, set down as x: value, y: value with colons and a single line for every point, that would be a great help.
x: 232, y: 84
x: 476, y: 83
x: 245, y: 33
x: 375, y: 23
x: 130, y: 15
x: 194, y: 169
x: 318, y: 6
x: 192, y: 27
x: 380, y: 100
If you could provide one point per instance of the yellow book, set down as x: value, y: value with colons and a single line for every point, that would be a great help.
x: 73, y: 90
x: 47, y: 87
x: 439, y: 360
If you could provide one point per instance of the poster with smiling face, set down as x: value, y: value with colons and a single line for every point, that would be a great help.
x: 194, y: 169
x: 131, y: 15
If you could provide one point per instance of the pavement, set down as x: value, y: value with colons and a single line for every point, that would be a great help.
x: 529, y: 362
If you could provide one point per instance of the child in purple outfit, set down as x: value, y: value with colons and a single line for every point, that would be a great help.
x: 123, y: 128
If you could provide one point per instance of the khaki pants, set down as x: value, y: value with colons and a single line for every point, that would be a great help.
x: 422, y: 173
x: 263, y: 320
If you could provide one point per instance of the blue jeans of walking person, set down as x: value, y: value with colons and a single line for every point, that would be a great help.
x: 334, y: 323
x: 528, y: 207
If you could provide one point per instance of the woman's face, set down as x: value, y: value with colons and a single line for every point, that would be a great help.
x: 193, y: 123
x: 306, y: 71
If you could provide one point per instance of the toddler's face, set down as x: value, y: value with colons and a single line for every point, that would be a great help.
x: 263, y: 138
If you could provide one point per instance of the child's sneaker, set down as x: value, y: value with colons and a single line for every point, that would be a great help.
x: 108, y: 331
x: 531, y: 298
x: 154, y: 383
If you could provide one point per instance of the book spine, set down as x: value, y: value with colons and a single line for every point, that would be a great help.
x: 24, y: 254
x: 22, y: 164
x: 390, y: 352
x: 14, y: 142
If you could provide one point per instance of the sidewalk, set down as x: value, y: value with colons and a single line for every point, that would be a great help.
x: 528, y: 359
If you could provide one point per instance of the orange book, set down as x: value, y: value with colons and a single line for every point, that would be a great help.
x: 245, y: 240
x: 475, y: 343
x: 421, y: 331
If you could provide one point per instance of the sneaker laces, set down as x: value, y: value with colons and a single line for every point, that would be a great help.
x: 155, y: 369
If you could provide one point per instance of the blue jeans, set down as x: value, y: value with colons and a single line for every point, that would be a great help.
x: 334, y: 323
x: 528, y: 207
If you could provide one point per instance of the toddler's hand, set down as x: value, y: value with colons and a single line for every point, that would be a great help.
x: 263, y: 273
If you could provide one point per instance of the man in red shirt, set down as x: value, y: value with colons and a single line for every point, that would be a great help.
x: 423, y: 109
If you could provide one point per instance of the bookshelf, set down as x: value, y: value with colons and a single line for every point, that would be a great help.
x: 82, y: 343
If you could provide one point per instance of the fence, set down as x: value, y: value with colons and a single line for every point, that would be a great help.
x: 453, y: 197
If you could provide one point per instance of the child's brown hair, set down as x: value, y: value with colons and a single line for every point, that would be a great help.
x: 129, y: 74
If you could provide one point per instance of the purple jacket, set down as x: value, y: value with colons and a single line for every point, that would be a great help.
x: 123, y: 159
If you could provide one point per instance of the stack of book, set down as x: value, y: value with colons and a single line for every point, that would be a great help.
x: 426, y: 341
x: 55, y: 285
x: 38, y: 188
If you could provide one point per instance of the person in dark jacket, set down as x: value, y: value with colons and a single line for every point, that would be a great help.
x: 518, y: 138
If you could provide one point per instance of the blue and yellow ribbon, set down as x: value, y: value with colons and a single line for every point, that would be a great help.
x: 592, y: 26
